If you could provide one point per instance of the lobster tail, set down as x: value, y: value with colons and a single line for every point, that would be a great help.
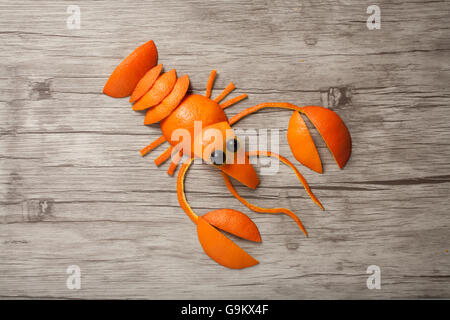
x: 122, y: 82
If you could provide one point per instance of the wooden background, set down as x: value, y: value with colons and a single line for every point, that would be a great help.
x: 75, y: 191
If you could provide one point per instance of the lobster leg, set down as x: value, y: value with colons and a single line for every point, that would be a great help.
x: 216, y: 245
x: 210, y: 83
x: 152, y: 145
x: 224, y: 93
x: 230, y: 87
x: 175, y: 160
x: 163, y: 156
x: 232, y: 101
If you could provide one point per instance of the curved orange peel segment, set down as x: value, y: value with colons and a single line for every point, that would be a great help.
x: 146, y: 83
x: 221, y: 249
x: 160, y: 89
x: 127, y: 74
x: 302, y: 144
x: 333, y: 131
x: 234, y: 222
x: 169, y: 103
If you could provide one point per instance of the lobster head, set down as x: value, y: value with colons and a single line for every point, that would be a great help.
x: 219, y: 146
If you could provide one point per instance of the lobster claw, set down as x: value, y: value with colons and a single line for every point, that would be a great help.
x: 220, y: 248
x: 332, y: 129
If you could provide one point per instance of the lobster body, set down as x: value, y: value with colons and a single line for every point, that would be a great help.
x: 192, y: 108
x: 166, y: 100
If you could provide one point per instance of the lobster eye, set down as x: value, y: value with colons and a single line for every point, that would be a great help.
x: 217, y: 157
x: 233, y: 145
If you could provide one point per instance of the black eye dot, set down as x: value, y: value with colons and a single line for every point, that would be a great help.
x: 217, y: 157
x: 233, y: 145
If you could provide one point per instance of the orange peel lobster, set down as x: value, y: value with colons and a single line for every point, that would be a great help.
x: 175, y: 109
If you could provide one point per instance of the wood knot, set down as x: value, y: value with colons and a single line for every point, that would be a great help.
x: 292, y: 246
x: 311, y: 41
x: 37, y: 209
x: 41, y: 90
x: 336, y: 97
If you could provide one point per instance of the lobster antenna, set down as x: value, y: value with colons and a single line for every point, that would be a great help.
x: 290, y: 165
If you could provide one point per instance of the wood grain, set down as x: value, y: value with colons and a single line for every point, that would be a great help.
x: 74, y: 189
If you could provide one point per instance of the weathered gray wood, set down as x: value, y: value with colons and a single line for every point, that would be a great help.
x: 74, y: 190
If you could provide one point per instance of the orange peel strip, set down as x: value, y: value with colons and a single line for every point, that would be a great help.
x: 259, y: 209
x: 210, y: 83
x: 246, y: 112
x: 152, y: 145
x: 291, y: 165
x: 174, y: 163
x: 230, y: 87
x: 163, y: 156
x: 230, y: 102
